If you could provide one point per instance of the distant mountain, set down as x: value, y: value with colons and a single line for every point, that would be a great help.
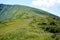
x: 19, y: 22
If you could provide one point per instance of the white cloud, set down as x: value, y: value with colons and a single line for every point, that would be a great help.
x: 45, y: 3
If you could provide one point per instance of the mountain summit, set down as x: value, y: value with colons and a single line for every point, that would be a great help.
x: 19, y: 22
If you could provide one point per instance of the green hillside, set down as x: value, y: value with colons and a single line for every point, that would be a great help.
x: 18, y: 22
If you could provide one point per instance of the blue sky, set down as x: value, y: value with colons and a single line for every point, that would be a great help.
x: 52, y: 6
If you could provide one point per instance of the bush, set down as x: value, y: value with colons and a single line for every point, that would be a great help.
x: 42, y: 23
x: 52, y: 23
x: 52, y: 29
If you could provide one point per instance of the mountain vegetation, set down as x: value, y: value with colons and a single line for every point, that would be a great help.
x: 19, y: 22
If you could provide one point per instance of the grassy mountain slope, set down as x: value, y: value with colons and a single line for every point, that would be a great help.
x: 19, y: 22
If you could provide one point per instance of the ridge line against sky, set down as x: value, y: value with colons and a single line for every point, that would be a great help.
x: 52, y: 6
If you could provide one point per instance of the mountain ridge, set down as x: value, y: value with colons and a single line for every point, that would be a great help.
x: 31, y: 9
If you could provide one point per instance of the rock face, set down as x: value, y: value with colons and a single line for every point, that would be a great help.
x: 18, y: 22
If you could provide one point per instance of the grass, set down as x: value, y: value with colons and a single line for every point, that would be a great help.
x: 26, y: 23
